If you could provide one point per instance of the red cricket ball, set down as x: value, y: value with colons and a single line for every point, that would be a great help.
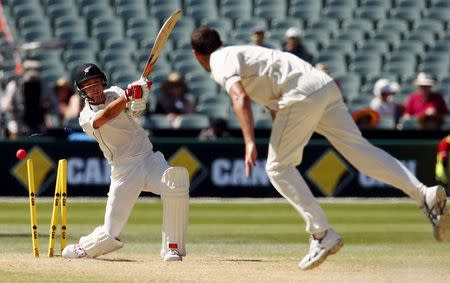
x: 21, y: 154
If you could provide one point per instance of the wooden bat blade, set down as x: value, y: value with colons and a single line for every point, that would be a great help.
x: 160, y: 41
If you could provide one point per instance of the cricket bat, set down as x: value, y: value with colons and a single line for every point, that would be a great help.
x: 160, y: 41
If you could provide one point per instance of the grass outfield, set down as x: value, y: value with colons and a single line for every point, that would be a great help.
x: 231, y: 242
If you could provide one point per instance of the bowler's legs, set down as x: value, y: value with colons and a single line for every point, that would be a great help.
x: 339, y: 128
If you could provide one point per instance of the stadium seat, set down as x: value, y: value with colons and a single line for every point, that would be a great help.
x: 287, y: 22
x: 235, y: 12
x: 409, y: 14
x: 338, y: 12
x: 157, y: 121
x: 396, y: 25
x: 263, y: 123
x: 192, y: 121
x: 430, y: 26
x: 249, y: 23
x: 328, y: 25
x: 364, y: 25
x: 426, y: 37
x: 213, y: 110
x: 416, y: 4
x: 373, y: 13
x: 221, y: 23
x: 306, y: 13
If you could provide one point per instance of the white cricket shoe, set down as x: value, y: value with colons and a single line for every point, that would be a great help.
x: 73, y: 251
x: 319, y: 249
x: 172, y: 255
x: 435, y: 208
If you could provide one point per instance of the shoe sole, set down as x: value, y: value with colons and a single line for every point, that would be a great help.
x: 440, y: 231
x: 332, y: 251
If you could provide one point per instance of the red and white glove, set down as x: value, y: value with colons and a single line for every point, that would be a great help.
x: 138, y: 92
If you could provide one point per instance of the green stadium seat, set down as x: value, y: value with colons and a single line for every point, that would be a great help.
x: 201, y: 12
x: 192, y: 121
x: 368, y: 64
x: 386, y: 4
x: 328, y: 25
x: 342, y: 46
x: 353, y: 35
x: 263, y: 123
x: 430, y: 26
x: 128, y: 12
x: 287, y: 22
x: 243, y: 5
x: 321, y: 38
x: 157, y: 121
x: 416, y: 4
x: 338, y: 12
x: 396, y: 25
x: 441, y: 4
x: 373, y: 46
x: 121, y: 45
x: 221, y: 24
x: 213, y: 110
x: 249, y: 23
x: 366, y: 26
x: 373, y: 13
x: 426, y: 37
x: 393, y: 39
x: 271, y: 12
x: 412, y: 46
x: 305, y: 13
x: 349, y: 84
x: 409, y: 14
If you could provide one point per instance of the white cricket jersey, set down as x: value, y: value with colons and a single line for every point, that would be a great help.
x: 121, y: 138
x: 270, y: 77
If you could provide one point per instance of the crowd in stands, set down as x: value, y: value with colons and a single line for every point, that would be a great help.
x: 30, y: 102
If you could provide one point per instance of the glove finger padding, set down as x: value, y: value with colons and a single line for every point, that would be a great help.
x: 139, y: 89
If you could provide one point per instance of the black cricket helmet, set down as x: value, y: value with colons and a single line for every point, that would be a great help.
x: 85, y: 72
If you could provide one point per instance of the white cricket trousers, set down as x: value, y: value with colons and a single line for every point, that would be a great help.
x: 128, y: 180
x: 324, y: 112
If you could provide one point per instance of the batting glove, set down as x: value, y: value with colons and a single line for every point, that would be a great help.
x: 139, y: 89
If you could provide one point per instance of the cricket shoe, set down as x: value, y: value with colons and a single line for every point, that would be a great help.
x: 73, y: 251
x: 172, y: 255
x: 435, y: 208
x: 319, y: 249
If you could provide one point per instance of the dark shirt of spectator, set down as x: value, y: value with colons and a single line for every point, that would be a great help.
x: 293, y: 44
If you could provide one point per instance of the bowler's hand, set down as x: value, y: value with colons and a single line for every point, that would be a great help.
x: 250, y: 158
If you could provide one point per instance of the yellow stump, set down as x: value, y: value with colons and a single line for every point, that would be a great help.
x: 54, y: 221
x: 32, y: 197
x: 63, y: 243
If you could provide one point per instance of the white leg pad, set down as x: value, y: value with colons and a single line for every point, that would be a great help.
x: 175, y: 199
x: 99, y: 243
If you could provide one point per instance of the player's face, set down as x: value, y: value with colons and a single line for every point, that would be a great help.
x: 93, y: 89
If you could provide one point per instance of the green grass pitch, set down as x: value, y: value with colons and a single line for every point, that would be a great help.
x: 391, y: 236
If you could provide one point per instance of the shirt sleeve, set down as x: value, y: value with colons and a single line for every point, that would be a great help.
x: 225, y: 68
x: 87, y: 120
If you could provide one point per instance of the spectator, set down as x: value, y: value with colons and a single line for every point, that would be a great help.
x: 425, y: 103
x: 173, y: 100
x: 218, y: 129
x: 384, y: 90
x: 293, y: 44
x: 258, y: 36
x: 442, y: 162
x: 27, y: 100
x: 62, y: 89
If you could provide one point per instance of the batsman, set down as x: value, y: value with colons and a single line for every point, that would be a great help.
x: 108, y: 117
